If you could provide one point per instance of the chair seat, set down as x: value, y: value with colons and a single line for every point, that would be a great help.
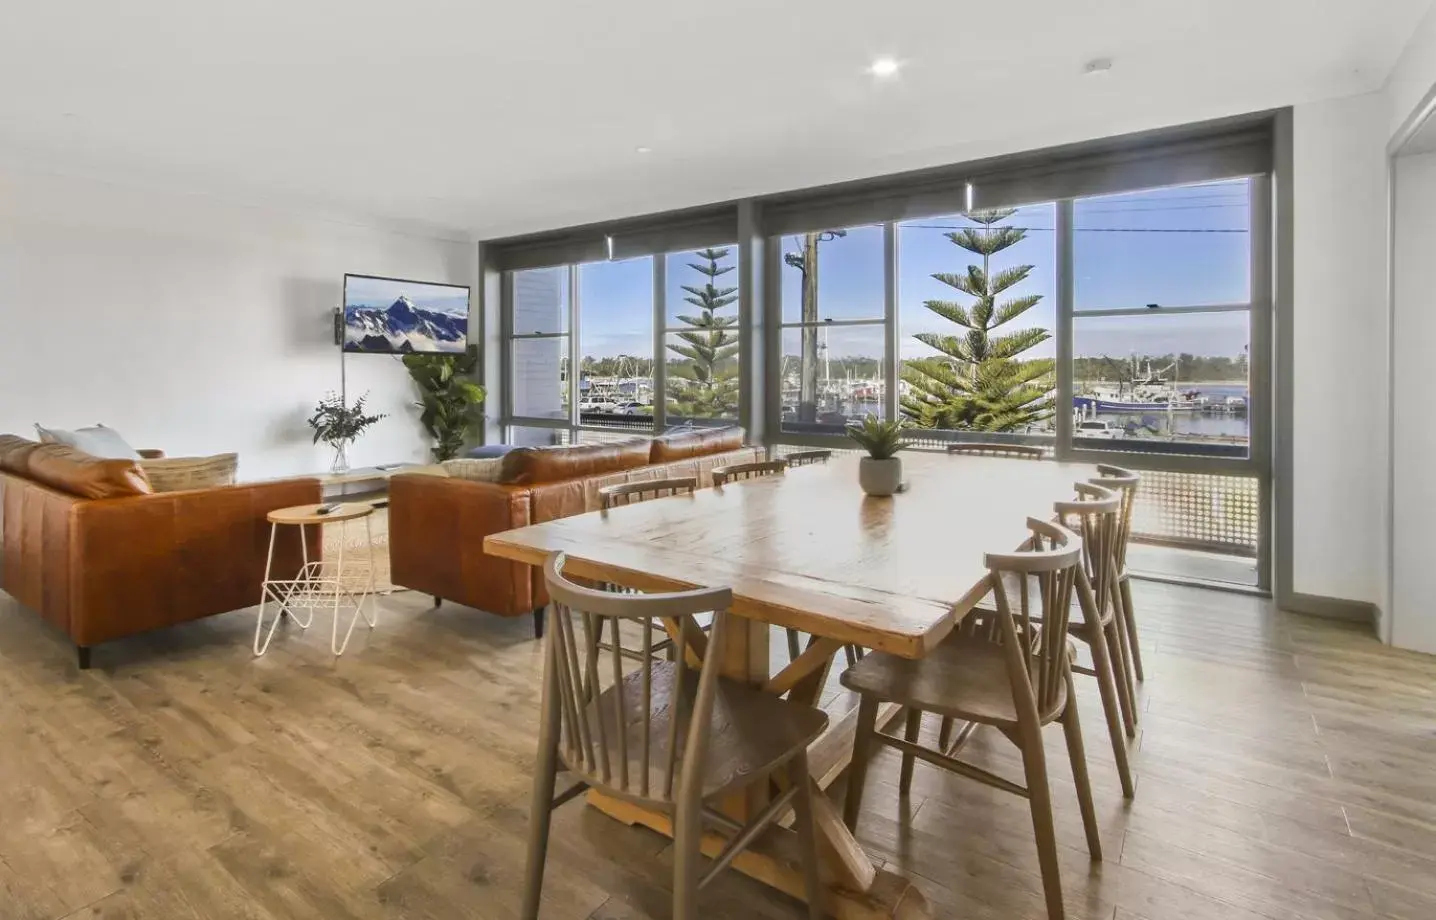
x: 965, y: 678
x: 753, y: 732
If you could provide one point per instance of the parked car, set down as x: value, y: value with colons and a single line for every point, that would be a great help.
x: 1099, y: 428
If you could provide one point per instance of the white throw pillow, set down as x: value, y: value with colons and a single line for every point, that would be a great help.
x: 98, y: 441
x: 486, y: 470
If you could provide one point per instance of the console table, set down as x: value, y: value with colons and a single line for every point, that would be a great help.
x: 368, y: 484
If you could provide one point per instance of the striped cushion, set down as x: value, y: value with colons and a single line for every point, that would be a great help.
x: 177, y: 474
x: 481, y: 470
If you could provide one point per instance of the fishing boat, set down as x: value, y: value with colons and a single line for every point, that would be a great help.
x: 1146, y: 391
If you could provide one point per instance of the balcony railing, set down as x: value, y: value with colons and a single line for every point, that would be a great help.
x: 1218, y: 513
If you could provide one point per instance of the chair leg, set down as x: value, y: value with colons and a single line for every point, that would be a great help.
x: 1072, y: 728
x: 687, y: 835
x: 850, y: 655
x: 538, y: 622
x: 807, y: 834
x: 545, y: 773
x: 862, y: 752
x: 1111, y: 706
x: 944, y: 735
x: 1039, y: 797
x: 794, y: 645
x: 82, y: 654
x: 914, y: 725
x: 1122, y: 659
x: 1122, y: 675
x: 1129, y: 615
x: 437, y: 600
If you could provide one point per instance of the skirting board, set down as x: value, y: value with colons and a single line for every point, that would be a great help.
x: 1332, y: 608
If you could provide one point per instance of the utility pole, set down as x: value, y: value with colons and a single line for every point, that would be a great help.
x: 807, y: 263
x: 808, y: 392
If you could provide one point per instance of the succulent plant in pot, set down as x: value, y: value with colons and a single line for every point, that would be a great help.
x: 880, y: 472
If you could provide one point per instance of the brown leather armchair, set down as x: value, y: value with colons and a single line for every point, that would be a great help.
x: 93, y: 551
x: 437, y: 524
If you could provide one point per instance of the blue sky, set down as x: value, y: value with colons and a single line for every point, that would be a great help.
x: 1175, y: 247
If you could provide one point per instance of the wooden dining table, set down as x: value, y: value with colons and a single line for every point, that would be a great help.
x: 806, y: 549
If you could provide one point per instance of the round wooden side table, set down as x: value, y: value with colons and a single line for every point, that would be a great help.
x: 317, y: 584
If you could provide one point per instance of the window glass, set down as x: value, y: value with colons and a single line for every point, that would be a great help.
x: 540, y: 366
x: 1171, y: 247
x: 541, y: 301
x: 848, y: 284
x: 831, y: 375
x: 615, y: 305
x: 976, y: 318
x: 701, y: 345
x: 1150, y: 380
x: 521, y: 436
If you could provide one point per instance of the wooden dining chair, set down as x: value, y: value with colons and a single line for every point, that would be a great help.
x: 1016, y: 677
x: 734, y: 472
x: 807, y: 457
x: 632, y: 493
x: 1095, y: 514
x: 1013, y: 451
x: 665, y: 736
x: 1125, y: 482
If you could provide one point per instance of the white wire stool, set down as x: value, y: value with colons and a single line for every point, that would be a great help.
x: 319, y: 584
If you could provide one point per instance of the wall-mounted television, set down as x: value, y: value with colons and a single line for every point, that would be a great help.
x: 392, y: 316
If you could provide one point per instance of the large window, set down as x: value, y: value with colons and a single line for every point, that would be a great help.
x: 977, y: 314
x: 615, y: 337
x: 833, y: 339
x: 1161, y: 328
x: 700, y: 339
x: 599, y: 318
x: 538, y: 367
x: 1114, y: 320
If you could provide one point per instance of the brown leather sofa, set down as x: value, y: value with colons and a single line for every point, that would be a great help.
x: 437, y: 524
x: 88, y: 544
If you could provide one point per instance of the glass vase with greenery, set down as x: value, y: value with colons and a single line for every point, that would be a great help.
x: 339, y: 425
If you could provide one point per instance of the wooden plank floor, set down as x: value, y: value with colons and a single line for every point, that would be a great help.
x: 1284, y: 771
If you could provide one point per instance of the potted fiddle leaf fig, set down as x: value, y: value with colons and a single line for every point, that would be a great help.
x: 880, y: 472
x: 449, y: 401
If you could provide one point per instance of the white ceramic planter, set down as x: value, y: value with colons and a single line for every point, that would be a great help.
x: 880, y: 477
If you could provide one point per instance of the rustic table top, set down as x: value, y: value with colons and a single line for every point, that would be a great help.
x: 807, y: 549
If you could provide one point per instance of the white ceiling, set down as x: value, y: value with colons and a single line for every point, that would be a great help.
x: 490, y: 118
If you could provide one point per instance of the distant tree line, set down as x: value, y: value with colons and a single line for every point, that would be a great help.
x: 1208, y: 368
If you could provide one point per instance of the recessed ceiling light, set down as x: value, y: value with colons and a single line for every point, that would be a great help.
x: 884, y: 67
x: 1096, y: 66
x: 642, y: 149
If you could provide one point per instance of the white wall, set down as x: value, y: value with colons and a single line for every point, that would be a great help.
x: 1413, y: 618
x: 1413, y: 74
x: 1340, y: 343
x: 193, y: 325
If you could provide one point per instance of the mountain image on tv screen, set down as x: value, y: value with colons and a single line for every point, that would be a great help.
x: 390, y: 316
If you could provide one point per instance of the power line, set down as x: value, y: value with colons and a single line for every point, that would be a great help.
x: 1089, y: 229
